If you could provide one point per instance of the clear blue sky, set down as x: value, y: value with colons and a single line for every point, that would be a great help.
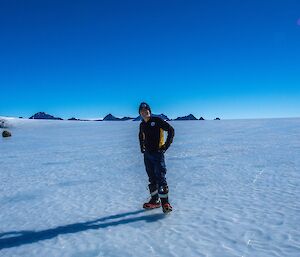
x: 232, y: 59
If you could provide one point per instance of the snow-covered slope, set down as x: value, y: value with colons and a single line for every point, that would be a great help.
x: 73, y: 188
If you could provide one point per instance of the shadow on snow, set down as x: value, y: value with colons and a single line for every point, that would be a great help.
x: 17, y: 238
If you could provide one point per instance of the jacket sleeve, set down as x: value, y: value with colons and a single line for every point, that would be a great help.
x: 171, y: 132
x: 142, y: 139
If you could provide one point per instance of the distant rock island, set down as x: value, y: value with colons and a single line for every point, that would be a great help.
x: 110, y: 117
x: 44, y: 116
x: 126, y: 118
x: 189, y: 117
x: 77, y: 119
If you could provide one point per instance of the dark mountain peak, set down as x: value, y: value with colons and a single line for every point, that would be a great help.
x: 110, y: 117
x: 188, y: 117
x: 126, y: 118
x: 44, y: 116
x: 163, y: 116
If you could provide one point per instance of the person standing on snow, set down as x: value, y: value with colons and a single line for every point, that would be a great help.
x: 151, y: 137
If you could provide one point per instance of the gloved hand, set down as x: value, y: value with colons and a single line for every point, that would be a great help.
x: 163, y: 149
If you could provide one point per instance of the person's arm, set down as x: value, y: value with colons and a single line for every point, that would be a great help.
x: 171, y: 132
x: 142, y: 139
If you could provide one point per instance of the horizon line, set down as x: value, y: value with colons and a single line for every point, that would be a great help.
x: 171, y: 119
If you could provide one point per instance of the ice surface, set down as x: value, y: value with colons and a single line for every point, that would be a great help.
x: 72, y: 188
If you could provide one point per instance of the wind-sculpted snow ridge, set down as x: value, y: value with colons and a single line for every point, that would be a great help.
x: 76, y: 189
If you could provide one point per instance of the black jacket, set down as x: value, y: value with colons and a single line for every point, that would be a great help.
x: 151, y: 135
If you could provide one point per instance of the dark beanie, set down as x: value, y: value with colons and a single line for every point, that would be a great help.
x: 144, y: 105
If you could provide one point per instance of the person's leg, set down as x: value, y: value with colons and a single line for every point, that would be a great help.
x: 150, y: 169
x: 160, y: 172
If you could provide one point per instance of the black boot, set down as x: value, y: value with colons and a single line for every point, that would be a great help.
x: 154, y: 202
x: 163, y: 194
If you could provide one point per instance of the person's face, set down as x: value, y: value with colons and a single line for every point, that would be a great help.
x: 145, y: 113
